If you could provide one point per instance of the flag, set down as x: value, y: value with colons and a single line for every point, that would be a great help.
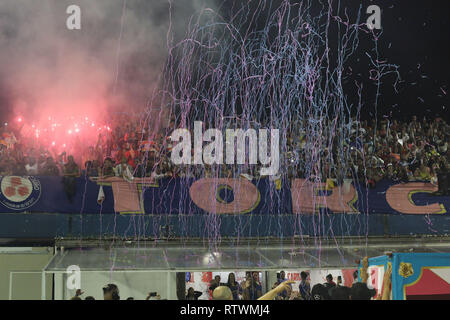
x: 101, y: 195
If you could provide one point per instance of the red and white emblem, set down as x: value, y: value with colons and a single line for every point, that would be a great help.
x: 19, y: 193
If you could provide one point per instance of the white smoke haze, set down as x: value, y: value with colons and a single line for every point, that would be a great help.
x: 48, y: 70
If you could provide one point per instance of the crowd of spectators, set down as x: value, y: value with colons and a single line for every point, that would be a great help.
x: 374, y: 150
x: 248, y: 289
x: 251, y: 288
x: 370, y: 151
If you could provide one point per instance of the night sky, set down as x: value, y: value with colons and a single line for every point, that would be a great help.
x: 418, y: 34
x: 415, y: 36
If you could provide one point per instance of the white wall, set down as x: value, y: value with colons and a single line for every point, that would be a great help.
x: 25, y: 286
x: 320, y: 276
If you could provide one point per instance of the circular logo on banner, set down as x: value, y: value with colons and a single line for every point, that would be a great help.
x: 19, y: 193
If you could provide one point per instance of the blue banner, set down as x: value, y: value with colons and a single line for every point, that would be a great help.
x: 219, y: 196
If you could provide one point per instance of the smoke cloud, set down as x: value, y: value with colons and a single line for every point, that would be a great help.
x: 111, y: 65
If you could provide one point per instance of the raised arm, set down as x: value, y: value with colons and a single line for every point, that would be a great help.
x: 279, y: 289
x: 387, y: 283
